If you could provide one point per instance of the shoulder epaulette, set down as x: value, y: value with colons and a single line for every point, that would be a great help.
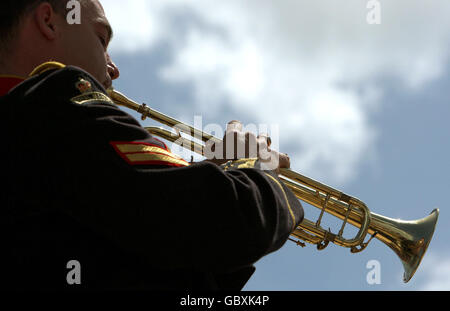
x: 46, y: 66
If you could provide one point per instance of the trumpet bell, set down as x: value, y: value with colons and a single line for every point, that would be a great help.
x: 408, y: 239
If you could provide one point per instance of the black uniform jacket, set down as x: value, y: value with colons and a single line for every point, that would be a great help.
x: 85, y: 183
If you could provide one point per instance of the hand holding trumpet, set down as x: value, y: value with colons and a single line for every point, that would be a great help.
x: 237, y: 144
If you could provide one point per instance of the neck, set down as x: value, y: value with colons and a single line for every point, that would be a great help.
x: 19, y: 64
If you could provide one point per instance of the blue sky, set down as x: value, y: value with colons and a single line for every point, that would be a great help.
x: 363, y: 108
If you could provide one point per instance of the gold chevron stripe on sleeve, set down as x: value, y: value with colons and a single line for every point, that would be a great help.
x: 153, y: 157
x: 143, y: 153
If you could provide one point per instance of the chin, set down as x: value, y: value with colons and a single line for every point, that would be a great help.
x: 107, y: 85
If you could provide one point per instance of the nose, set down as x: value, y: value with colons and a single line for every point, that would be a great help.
x: 113, y: 70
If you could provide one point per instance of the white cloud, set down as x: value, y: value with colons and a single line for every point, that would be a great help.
x: 436, y: 271
x: 137, y: 24
x: 286, y: 62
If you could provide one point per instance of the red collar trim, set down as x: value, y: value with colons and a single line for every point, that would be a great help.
x: 7, y: 83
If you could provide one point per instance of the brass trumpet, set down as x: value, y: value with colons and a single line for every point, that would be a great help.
x: 408, y: 239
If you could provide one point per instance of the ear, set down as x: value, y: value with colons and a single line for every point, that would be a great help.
x: 47, y: 20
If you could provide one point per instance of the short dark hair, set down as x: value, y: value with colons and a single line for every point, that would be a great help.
x: 12, y: 12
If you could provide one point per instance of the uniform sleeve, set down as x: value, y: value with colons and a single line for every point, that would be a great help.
x: 111, y: 175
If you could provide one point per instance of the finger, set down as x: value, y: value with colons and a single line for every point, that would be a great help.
x: 284, y: 161
x: 251, y: 145
x: 234, y: 125
x: 266, y: 137
x: 230, y: 139
x: 264, y: 152
x: 233, y: 143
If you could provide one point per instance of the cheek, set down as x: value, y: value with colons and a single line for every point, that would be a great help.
x: 94, y: 58
x: 96, y: 66
x: 82, y: 48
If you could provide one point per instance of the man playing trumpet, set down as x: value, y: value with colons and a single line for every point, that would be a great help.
x: 86, y: 183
